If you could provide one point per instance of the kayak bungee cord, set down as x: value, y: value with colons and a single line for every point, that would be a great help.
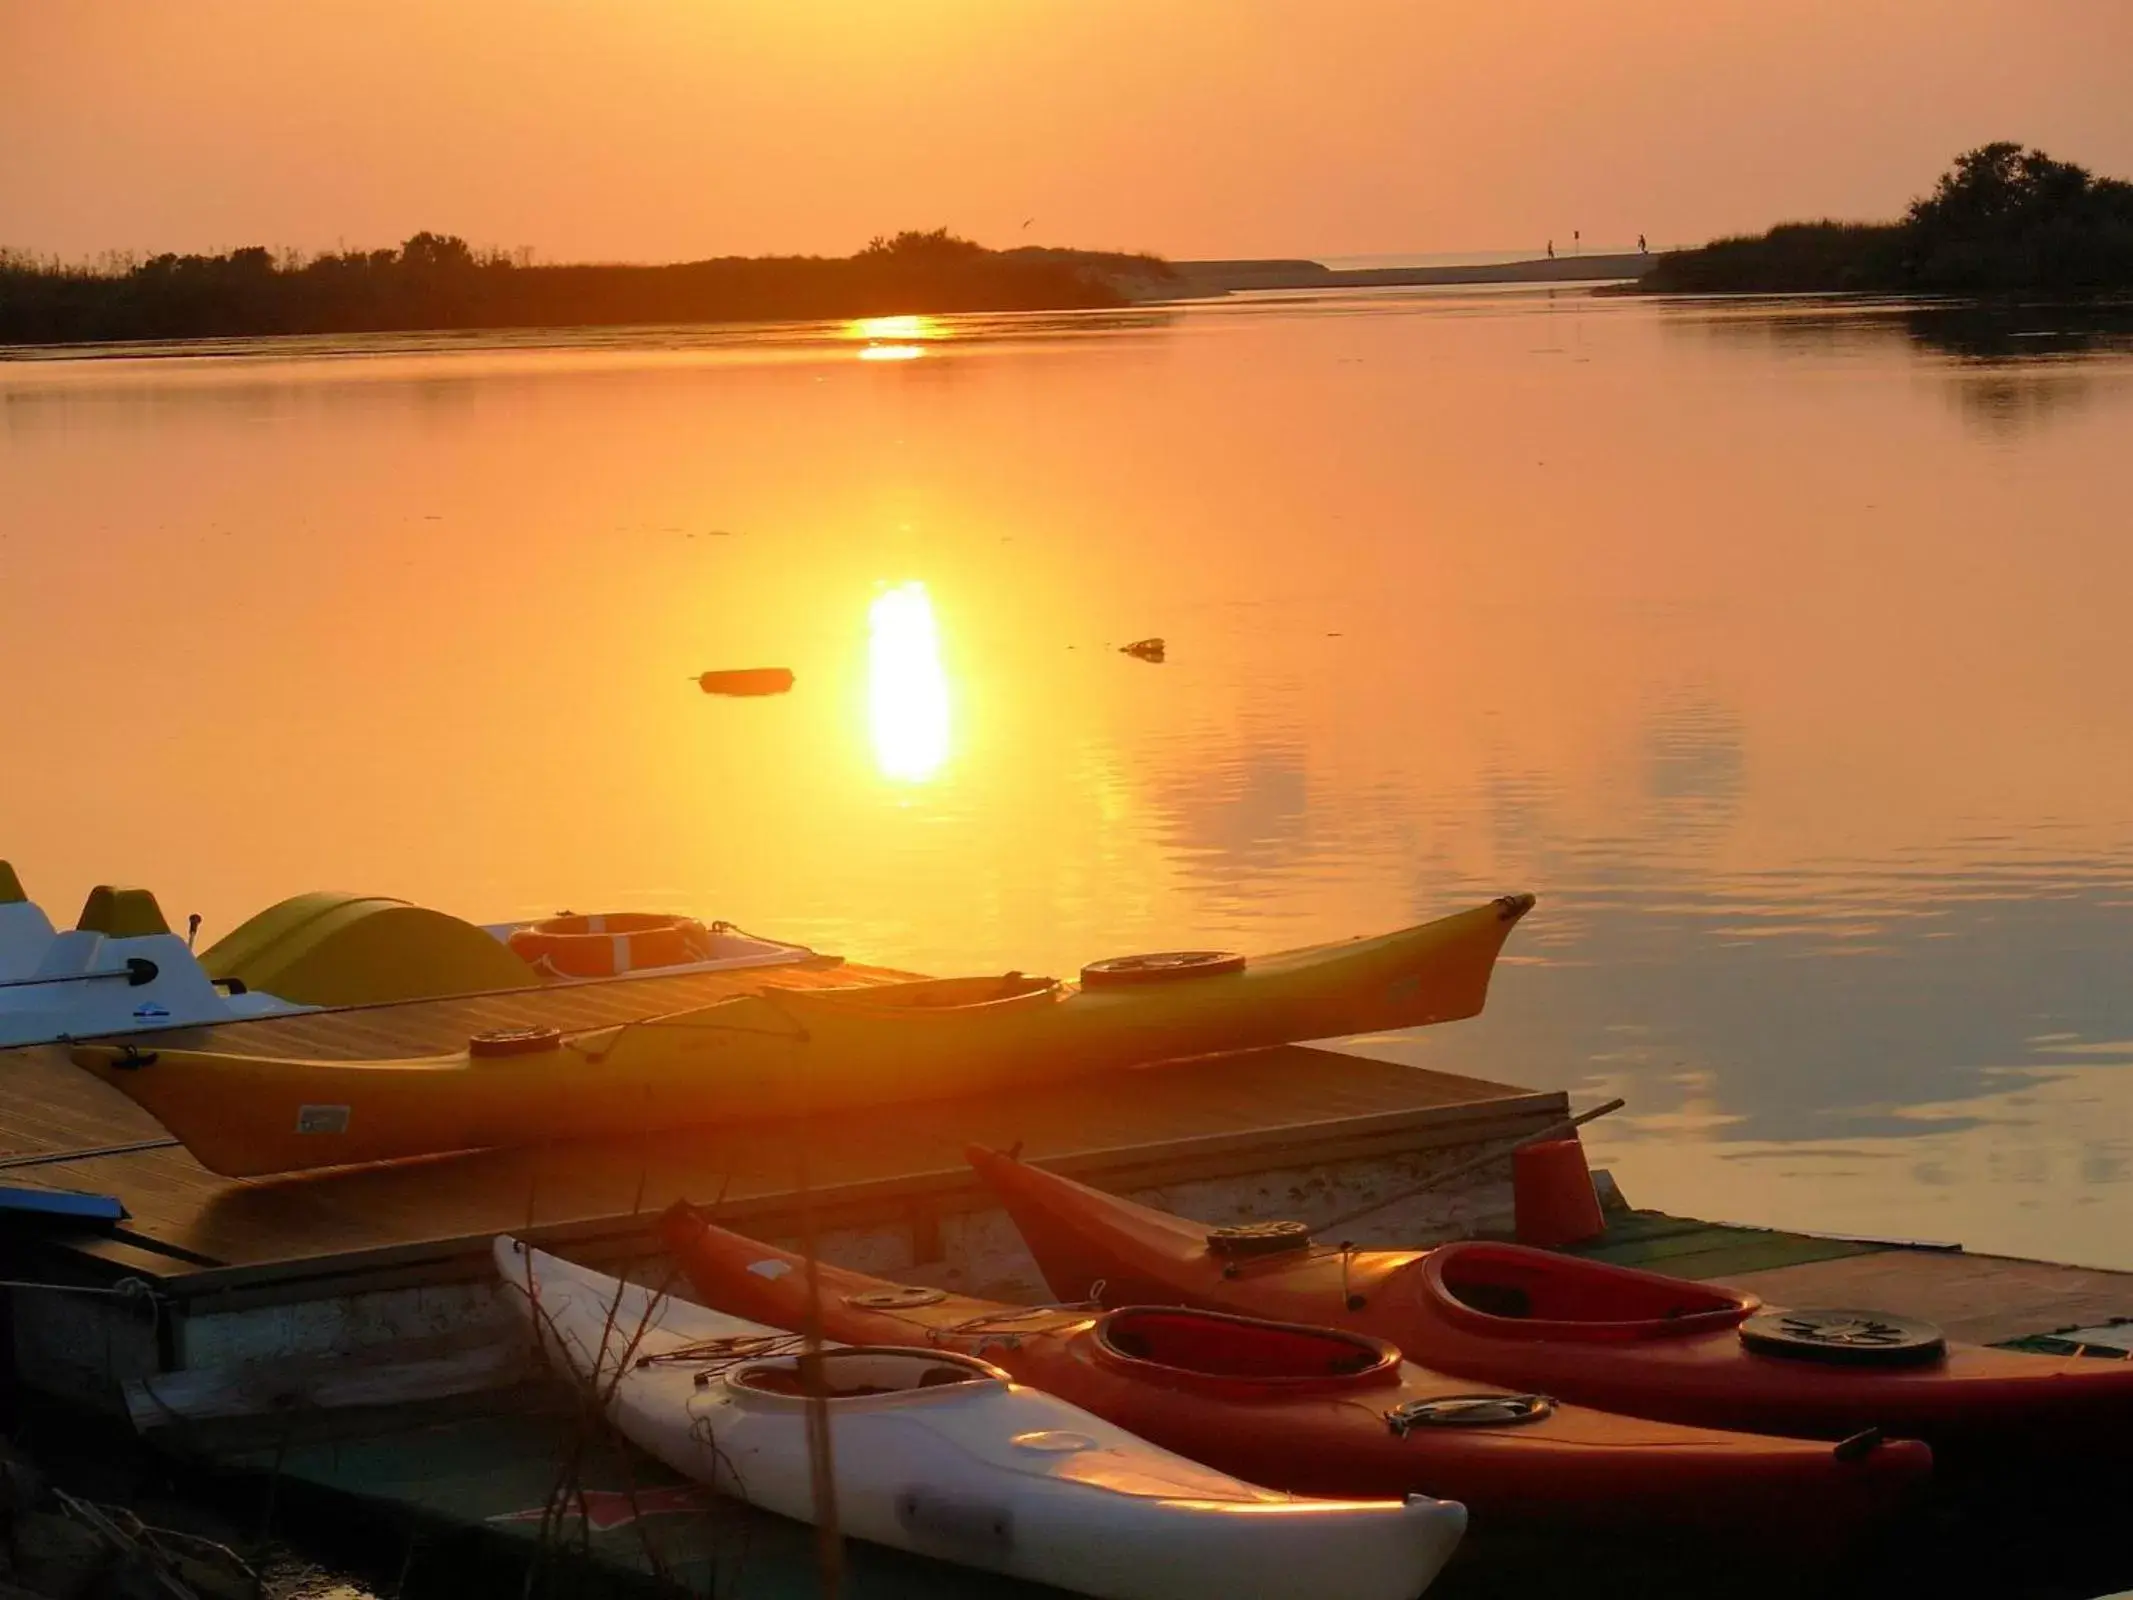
x: 720, y: 1355
x: 677, y: 1021
x: 980, y: 1326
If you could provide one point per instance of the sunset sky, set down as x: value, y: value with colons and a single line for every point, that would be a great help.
x: 665, y: 129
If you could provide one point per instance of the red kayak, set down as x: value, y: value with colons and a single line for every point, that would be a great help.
x: 1321, y: 1411
x: 1626, y: 1341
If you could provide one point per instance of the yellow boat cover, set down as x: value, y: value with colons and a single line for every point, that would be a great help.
x: 329, y: 949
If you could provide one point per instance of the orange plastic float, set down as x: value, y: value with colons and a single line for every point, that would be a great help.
x: 1551, y: 1190
x: 611, y: 944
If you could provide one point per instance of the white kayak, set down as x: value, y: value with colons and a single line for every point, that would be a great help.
x: 944, y: 1455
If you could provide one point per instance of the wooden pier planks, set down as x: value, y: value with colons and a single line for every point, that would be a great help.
x: 1976, y: 1298
x: 1192, y: 1119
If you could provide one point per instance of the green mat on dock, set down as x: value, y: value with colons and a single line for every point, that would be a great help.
x: 1685, y: 1248
x: 2109, y: 1341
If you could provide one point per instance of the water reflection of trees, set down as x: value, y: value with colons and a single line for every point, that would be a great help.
x: 2020, y: 332
x: 2009, y: 365
x: 1974, y: 331
x: 2014, y: 366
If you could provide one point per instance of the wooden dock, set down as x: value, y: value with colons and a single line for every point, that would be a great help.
x: 342, y: 1332
x: 485, y: 1466
x: 311, y: 1264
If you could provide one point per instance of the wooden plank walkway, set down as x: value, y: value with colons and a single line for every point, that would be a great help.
x: 194, y: 1233
x: 1978, y: 1299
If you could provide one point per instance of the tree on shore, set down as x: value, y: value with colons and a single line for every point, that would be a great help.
x: 2008, y: 218
x: 934, y: 246
x: 2002, y: 220
x: 438, y: 252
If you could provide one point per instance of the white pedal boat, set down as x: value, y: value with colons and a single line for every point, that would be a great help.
x: 121, y: 971
x: 943, y: 1455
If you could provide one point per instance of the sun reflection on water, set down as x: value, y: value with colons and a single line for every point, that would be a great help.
x: 900, y: 330
x: 907, y: 692
x: 898, y: 338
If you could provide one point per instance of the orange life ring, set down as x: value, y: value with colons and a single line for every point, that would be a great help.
x: 607, y: 946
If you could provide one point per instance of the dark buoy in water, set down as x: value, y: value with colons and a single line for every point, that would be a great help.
x: 747, y: 681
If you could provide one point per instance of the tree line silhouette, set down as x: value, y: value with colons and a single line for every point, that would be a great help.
x: 2002, y: 220
x: 437, y: 281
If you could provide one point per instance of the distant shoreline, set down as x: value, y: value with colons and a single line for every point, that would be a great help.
x: 436, y: 284
x: 1195, y: 279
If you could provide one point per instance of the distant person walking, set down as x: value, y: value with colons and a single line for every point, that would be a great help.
x: 1575, y: 245
x: 1642, y: 248
x: 1551, y: 249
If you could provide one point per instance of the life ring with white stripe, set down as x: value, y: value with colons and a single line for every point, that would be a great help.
x: 609, y: 945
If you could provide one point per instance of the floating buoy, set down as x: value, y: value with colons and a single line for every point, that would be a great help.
x: 747, y: 681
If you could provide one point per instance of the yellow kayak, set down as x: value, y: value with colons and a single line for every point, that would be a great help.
x: 782, y: 1051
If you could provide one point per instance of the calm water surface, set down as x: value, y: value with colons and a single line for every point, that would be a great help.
x: 1779, y: 648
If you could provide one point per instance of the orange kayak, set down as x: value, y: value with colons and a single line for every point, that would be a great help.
x: 1625, y: 1341
x: 1325, y: 1412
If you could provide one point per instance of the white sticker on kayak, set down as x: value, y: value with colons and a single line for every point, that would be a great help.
x: 321, y: 1119
x: 771, y: 1269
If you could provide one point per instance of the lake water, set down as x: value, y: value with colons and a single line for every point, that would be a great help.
x: 1779, y: 648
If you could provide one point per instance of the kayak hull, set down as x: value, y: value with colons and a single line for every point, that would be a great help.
x: 967, y: 1467
x: 1390, y: 1430
x: 1632, y: 1342
x: 786, y: 1051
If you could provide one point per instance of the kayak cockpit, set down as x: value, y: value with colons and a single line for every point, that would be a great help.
x: 1518, y: 1293
x: 861, y: 1372
x: 1211, y: 1349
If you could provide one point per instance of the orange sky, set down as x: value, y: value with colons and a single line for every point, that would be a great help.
x: 659, y: 129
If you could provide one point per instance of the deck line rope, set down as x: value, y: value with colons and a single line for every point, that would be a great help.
x: 88, y: 1153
